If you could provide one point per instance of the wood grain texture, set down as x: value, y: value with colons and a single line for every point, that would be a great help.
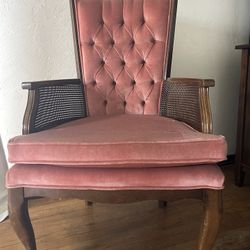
x: 243, y: 133
x: 68, y: 225
x: 210, y: 226
x: 244, y: 46
x: 19, y: 218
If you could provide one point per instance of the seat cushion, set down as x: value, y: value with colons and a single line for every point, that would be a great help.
x: 118, y: 141
x: 171, y: 178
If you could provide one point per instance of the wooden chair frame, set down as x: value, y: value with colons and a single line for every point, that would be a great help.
x: 212, y: 199
x: 20, y: 221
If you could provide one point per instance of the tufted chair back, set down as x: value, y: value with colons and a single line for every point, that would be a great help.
x: 124, y: 49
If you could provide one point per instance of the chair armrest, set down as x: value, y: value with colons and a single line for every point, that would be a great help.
x: 187, y: 100
x: 51, y: 103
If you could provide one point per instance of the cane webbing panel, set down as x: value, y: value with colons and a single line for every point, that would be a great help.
x: 181, y: 102
x: 56, y: 104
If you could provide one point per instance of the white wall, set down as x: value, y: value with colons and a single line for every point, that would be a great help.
x: 36, y: 44
x: 206, y: 34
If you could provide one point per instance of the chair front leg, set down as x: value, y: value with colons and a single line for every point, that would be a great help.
x: 212, y: 218
x: 19, y: 218
x: 88, y: 204
x: 162, y: 204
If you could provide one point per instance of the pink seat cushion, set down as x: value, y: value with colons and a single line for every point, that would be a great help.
x: 172, y: 178
x: 119, y: 141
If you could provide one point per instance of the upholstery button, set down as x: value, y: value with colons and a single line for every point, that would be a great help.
x: 143, y: 62
x: 142, y: 21
x: 152, y: 82
x: 153, y: 40
x: 133, y: 82
x: 102, y: 22
x: 124, y: 103
x: 91, y: 43
x: 113, y: 83
x: 94, y: 83
x: 112, y: 42
x: 123, y: 62
x: 105, y: 102
x: 102, y: 62
x: 122, y: 22
x: 133, y: 42
x: 143, y: 103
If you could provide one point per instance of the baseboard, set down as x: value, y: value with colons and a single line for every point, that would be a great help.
x: 229, y: 161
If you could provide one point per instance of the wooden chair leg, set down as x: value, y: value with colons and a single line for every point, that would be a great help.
x: 212, y: 218
x: 162, y: 204
x: 19, y: 218
x: 88, y: 203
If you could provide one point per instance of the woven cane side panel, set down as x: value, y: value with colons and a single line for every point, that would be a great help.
x: 57, y: 104
x: 181, y: 102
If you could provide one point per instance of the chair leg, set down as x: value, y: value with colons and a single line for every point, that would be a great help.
x: 19, y: 218
x: 162, y: 204
x: 88, y: 204
x: 212, y: 218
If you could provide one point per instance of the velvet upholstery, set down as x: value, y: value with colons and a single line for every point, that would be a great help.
x: 123, y: 53
x: 122, y: 150
x: 181, y: 178
x: 119, y: 141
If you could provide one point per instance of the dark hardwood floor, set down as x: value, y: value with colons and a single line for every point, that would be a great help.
x: 69, y: 225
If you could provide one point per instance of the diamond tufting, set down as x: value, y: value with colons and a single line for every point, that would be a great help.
x: 123, y: 53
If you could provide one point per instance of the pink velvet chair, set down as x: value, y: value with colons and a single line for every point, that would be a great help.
x: 124, y: 131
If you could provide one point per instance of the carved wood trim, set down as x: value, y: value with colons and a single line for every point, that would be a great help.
x: 205, y: 108
x: 75, y: 39
x: 212, y: 218
x: 122, y: 196
x: 28, y: 112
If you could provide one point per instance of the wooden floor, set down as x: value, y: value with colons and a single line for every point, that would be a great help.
x: 69, y: 225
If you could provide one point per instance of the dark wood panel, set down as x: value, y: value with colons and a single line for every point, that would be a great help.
x: 115, y: 197
x: 243, y: 130
x: 246, y: 133
x: 243, y: 46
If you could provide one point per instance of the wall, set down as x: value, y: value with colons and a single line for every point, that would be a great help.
x: 36, y: 44
x: 206, y: 34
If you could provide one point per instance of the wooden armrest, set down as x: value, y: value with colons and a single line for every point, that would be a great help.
x: 187, y: 100
x: 38, y: 84
x: 51, y: 103
x: 193, y: 81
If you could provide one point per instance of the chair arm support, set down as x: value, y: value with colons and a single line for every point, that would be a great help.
x: 51, y: 103
x: 187, y: 100
x: 193, y: 82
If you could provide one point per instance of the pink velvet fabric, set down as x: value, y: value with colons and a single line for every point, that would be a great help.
x: 119, y: 141
x: 123, y: 51
x: 181, y: 178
